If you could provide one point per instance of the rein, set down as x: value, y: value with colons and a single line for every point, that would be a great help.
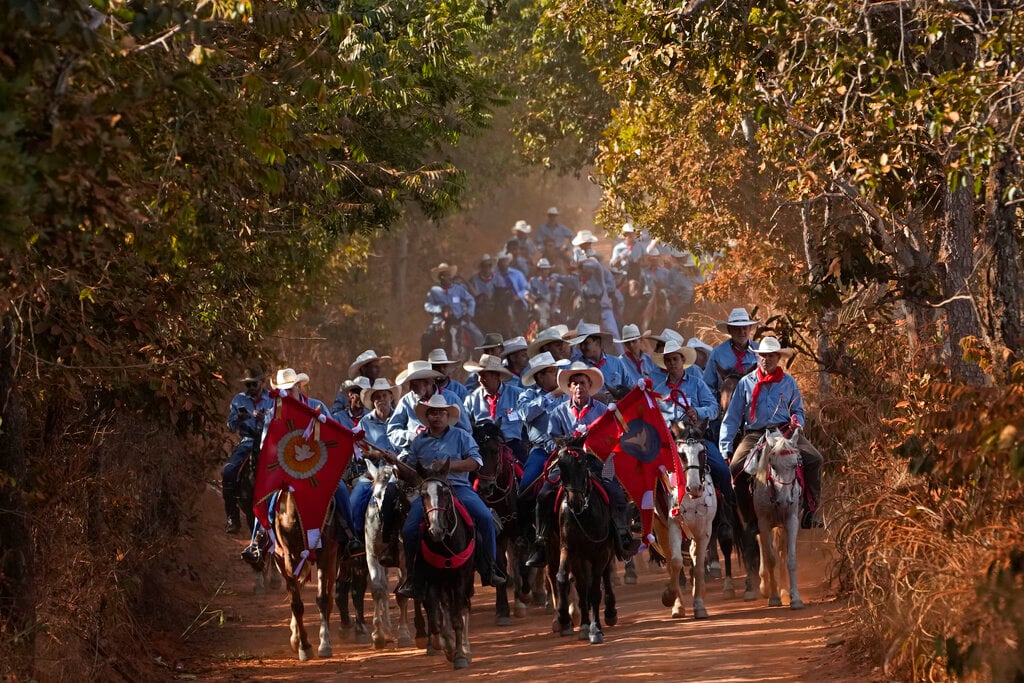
x: 450, y: 558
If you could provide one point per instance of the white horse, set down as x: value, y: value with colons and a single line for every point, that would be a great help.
x: 375, y: 543
x: 777, y: 494
x: 688, y: 512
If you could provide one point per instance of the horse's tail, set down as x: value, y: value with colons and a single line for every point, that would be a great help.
x: 730, y: 529
x: 655, y: 556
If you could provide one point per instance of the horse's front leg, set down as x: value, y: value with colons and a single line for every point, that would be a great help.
x: 675, y: 570
x: 792, y: 528
x: 502, y: 615
x: 584, y: 575
x: 596, y: 635
x: 381, y: 606
x: 560, y: 579
x: 404, y: 635
x: 611, y: 614
x: 769, y: 586
x: 698, y: 551
x: 325, y: 583
x: 359, y: 580
x: 299, y: 639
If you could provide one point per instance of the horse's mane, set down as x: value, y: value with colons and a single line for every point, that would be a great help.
x: 769, y: 449
x: 573, y: 442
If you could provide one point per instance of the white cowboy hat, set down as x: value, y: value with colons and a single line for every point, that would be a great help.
x: 523, y: 227
x: 439, y: 357
x: 486, y: 258
x: 359, y: 383
x: 540, y: 362
x: 437, y: 401
x: 362, y: 359
x: 287, y: 378
x: 492, y: 340
x: 667, y: 335
x: 580, y: 368
x: 504, y: 256
x: 417, y: 369
x: 695, y: 343
x: 772, y: 345
x: 628, y: 229
x: 584, y: 330
x: 379, y: 384
x: 673, y: 346
x: 543, y: 264
x: 514, y: 344
x: 553, y: 211
x: 551, y: 334
x: 631, y: 333
x: 489, y: 363
x: 738, y: 317
x: 444, y: 268
x: 584, y: 237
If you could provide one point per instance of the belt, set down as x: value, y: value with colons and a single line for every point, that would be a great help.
x: 764, y: 429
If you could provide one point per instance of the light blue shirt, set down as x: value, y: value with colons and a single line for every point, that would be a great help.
x: 776, y: 402
x: 345, y: 417
x: 456, y: 297
x: 456, y: 388
x: 565, y: 422
x: 535, y: 408
x: 690, y: 390
x: 513, y: 279
x: 376, y: 431
x: 723, y: 357
x: 453, y: 444
x: 243, y: 404
x: 612, y: 369
x: 647, y: 369
x: 561, y: 234
x: 403, y: 423
x: 506, y: 415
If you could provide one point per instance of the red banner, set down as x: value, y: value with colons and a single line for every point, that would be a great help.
x: 305, y: 456
x: 636, y: 434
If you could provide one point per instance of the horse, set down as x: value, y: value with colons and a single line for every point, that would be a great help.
x: 446, y: 563
x: 586, y: 546
x: 498, y: 486
x: 686, y: 510
x: 777, y: 494
x: 292, y: 559
x: 351, y: 583
x: 383, y: 478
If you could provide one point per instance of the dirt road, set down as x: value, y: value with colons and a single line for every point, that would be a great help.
x: 741, y: 641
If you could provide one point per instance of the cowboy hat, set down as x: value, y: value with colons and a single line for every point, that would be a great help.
x: 362, y: 359
x: 667, y: 335
x: 504, y: 256
x: 584, y: 330
x: 584, y: 237
x: 551, y: 334
x: 631, y: 333
x: 512, y: 345
x: 439, y: 357
x: 738, y: 317
x: 540, y: 362
x: 492, y: 340
x: 772, y: 345
x: 358, y: 383
x: 253, y: 375
x: 672, y: 346
x: 486, y: 258
x: 553, y: 211
x: 489, y: 363
x: 417, y: 369
x: 287, y: 378
x: 628, y: 229
x: 444, y: 268
x: 523, y: 227
x: 437, y: 401
x: 379, y: 384
x: 695, y: 343
x: 580, y: 368
x: 543, y: 264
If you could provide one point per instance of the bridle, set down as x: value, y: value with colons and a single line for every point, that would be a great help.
x: 448, y: 521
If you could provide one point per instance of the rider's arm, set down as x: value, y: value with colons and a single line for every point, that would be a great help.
x: 711, y: 372
x: 704, y: 401
x: 436, y: 302
x: 470, y: 309
x: 796, y: 404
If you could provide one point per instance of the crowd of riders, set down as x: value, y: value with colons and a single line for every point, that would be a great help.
x: 537, y: 386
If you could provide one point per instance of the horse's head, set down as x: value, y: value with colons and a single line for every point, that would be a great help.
x: 781, y: 455
x: 492, y: 446
x: 727, y: 381
x: 382, y: 477
x: 575, y: 475
x: 438, y: 504
x: 693, y: 455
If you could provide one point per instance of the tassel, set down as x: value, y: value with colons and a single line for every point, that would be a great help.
x: 298, y: 569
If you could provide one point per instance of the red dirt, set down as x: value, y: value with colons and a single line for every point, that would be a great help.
x: 742, y: 641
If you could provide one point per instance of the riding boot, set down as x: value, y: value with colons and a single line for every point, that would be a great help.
x: 233, y: 523
x: 625, y: 545
x: 744, y: 498
x: 408, y: 588
x: 543, y: 518
x: 348, y: 538
x: 526, y: 506
x: 490, y: 573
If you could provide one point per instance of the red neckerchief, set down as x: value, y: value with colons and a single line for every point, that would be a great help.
x: 486, y: 279
x: 636, y: 361
x: 580, y: 414
x: 601, y: 362
x: 762, y: 379
x: 356, y: 418
x: 676, y: 392
x: 492, y: 404
x: 740, y: 355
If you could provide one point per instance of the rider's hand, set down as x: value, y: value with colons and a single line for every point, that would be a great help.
x: 691, y: 413
x: 322, y: 418
x: 794, y: 421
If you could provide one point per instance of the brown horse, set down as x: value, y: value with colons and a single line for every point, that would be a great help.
x: 293, y: 560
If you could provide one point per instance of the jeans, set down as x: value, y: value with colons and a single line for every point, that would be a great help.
x: 229, y: 478
x: 341, y: 503
x: 534, y: 468
x: 720, y: 474
x: 358, y: 501
x: 481, y: 514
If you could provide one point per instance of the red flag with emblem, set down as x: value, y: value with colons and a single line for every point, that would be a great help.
x: 304, y: 455
x: 636, y: 435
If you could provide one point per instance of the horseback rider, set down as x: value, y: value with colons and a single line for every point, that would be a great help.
x: 379, y: 400
x: 635, y: 362
x: 495, y: 400
x: 439, y: 362
x: 526, y: 247
x: 516, y: 359
x: 552, y: 340
x: 559, y: 235
x: 685, y: 398
x: 449, y: 301
x: 510, y: 288
x: 404, y: 425
x: 628, y: 255
x: 737, y: 353
x: 493, y: 345
x: 765, y: 399
x: 589, y: 341
x: 573, y: 418
x: 703, y: 353
x: 442, y: 441
x: 348, y: 408
x: 245, y: 418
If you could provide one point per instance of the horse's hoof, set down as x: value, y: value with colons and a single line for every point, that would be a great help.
x: 294, y: 643
x: 629, y: 579
x: 461, y: 662
x: 715, y: 570
x: 405, y: 641
x: 611, y: 617
x: 324, y: 653
x: 729, y: 594
x: 775, y: 601
x: 379, y: 643
x: 750, y: 596
x: 678, y: 613
x: 796, y: 604
x: 583, y: 634
x: 305, y: 655
x: 432, y: 651
x: 259, y: 590
x: 556, y: 626
x: 667, y: 598
x: 503, y: 621
x: 596, y: 638
x: 700, y: 613
x: 519, y: 612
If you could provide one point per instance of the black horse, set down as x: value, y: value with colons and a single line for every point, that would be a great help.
x: 498, y: 486
x: 446, y: 562
x: 351, y: 584
x: 586, y: 546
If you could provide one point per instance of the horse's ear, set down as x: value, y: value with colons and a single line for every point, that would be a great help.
x: 420, y: 471
x: 718, y: 369
x: 371, y: 468
x: 445, y: 468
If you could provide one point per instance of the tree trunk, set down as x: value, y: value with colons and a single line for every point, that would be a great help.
x: 814, y: 252
x: 17, y: 584
x: 958, y: 248
x: 1003, y: 274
